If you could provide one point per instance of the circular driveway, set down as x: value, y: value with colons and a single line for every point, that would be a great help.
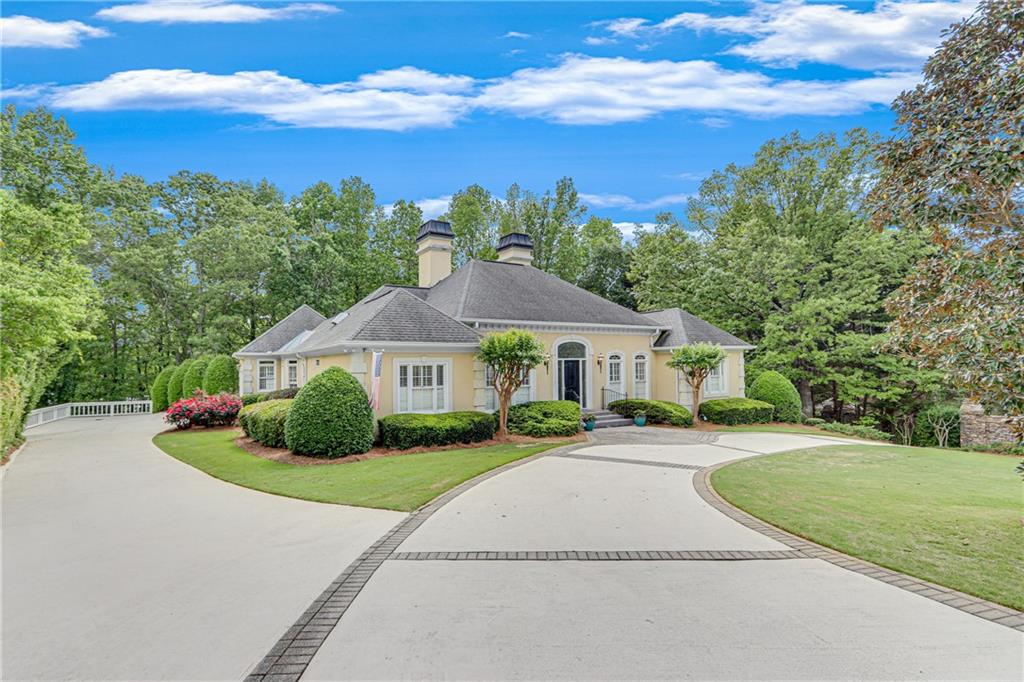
x: 601, y: 563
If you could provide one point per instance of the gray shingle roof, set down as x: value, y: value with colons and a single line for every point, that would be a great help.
x: 299, y: 320
x: 390, y: 314
x: 488, y: 290
x: 685, y: 328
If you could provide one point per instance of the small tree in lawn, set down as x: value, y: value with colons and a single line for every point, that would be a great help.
x: 511, y: 355
x: 696, y: 362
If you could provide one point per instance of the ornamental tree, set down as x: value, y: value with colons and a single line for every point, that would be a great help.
x: 511, y: 355
x: 696, y: 362
x: 955, y: 171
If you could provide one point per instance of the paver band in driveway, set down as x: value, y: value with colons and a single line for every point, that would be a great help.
x: 623, y: 460
x: 621, y: 555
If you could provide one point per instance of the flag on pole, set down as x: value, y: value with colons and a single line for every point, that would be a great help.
x: 378, y: 362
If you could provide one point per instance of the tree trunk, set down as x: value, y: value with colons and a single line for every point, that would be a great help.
x: 806, y: 400
x: 503, y: 402
x: 696, y: 401
x: 837, y: 404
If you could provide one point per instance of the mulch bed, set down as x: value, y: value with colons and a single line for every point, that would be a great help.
x: 288, y: 457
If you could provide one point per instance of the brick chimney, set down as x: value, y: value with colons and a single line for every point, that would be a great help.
x: 434, y: 248
x: 515, y: 247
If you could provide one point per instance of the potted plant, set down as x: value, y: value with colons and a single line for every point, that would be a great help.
x: 589, y: 421
x: 640, y: 418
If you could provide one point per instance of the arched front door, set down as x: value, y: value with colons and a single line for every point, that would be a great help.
x: 572, y: 372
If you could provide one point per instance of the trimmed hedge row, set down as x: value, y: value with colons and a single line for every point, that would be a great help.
x: 158, y: 391
x: 657, y: 411
x: 404, y: 431
x: 265, y: 421
x: 174, y: 393
x: 193, y: 379
x: 856, y: 430
x: 737, y: 411
x: 772, y: 387
x: 543, y: 418
x: 221, y: 375
x: 330, y: 417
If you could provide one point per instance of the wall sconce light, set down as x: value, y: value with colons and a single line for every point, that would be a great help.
x: 600, y: 361
x: 547, y: 362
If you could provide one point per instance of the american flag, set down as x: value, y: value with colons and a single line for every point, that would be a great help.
x: 378, y: 362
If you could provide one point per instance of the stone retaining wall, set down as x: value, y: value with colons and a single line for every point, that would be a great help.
x: 978, y: 428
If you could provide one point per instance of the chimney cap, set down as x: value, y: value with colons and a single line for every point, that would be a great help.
x: 437, y: 228
x: 511, y: 239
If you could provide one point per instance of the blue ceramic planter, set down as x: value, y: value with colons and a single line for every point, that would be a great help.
x: 640, y: 421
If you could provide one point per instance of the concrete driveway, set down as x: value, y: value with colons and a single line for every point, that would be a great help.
x: 119, y: 562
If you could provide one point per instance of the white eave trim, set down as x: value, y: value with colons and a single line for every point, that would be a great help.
x: 392, y: 346
x: 742, y: 347
x: 638, y: 329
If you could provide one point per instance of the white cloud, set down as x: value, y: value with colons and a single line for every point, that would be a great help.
x: 434, y: 207
x: 715, y: 122
x: 415, y: 80
x: 22, y: 31
x: 277, y: 98
x: 578, y: 90
x: 517, y: 34
x: 585, y: 90
x: 597, y: 41
x: 630, y: 204
x: 895, y: 34
x: 629, y: 230
x: 209, y: 12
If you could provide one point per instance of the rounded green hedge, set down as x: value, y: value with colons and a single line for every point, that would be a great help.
x: 543, y: 418
x: 330, y: 417
x: 657, y: 411
x: 221, y: 375
x: 174, y: 393
x: 158, y: 391
x: 737, y: 411
x: 193, y: 380
x: 404, y: 431
x: 265, y: 421
x: 772, y: 387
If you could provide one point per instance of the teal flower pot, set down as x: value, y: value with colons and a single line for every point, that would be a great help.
x: 588, y: 426
x: 640, y: 421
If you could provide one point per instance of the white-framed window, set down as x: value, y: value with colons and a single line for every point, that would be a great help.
x: 266, y: 376
x: 640, y: 378
x: 422, y: 386
x: 293, y: 374
x: 523, y: 395
x: 714, y: 384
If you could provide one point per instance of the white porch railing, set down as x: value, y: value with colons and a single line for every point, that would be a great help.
x: 115, y: 408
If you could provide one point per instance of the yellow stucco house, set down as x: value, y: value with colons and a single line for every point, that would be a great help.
x: 597, y: 351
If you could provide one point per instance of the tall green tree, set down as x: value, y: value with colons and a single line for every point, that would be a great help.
x: 475, y: 216
x: 955, y: 171
x: 604, y: 261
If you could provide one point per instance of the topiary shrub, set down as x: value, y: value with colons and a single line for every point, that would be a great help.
x: 174, y: 393
x: 265, y: 421
x: 856, y: 430
x: 404, y: 431
x: 330, y: 417
x: 737, y: 411
x: 251, y: 398
x: 772, y: 387
x: 544, y: 418
x: 221, y: 375
x: 657, y: 411
x: 193, y: 379
x: 158, y: 391
x: 941, y: 416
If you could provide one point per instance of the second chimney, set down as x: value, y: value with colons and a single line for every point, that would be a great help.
x: 434, y: 248
x: 515, y: 247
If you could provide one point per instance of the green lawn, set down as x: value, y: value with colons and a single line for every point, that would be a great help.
x: 403, y: 482
x: 950, y: 517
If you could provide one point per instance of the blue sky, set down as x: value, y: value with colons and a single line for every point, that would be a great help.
x: 635, y: 101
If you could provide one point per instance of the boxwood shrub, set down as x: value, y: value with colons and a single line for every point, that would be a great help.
x: 543, y: 418
x: 279, y: 394
x: 174, y: 393
x: 404, y: 431
x: 856, y: 430
x: 330, y: 417
x: 221, y: 375
x: 193, y: 379
x: 814, y: 421
x: 158, y: 391
x: 737, y: 411
x: 772, y: 387
x: 251, y: 398
x: 265, y: 421
x: 657, y: 411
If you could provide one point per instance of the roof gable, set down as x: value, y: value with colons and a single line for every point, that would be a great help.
x: 284, y: 332
x: 684, y: 329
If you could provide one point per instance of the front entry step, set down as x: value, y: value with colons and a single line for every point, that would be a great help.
x: 603, y: 419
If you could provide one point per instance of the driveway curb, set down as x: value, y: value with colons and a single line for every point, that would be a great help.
x: 976, y: 606
x: 288, y: 658
x: 10, y: 460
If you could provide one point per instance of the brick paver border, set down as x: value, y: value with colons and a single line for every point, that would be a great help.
x: 614, y: 555
x: 626, y: 460
x: 976, y: 606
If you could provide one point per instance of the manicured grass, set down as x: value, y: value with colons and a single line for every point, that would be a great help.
x: 780, y: 428
x: 950, y: 517
x: 403, y: 482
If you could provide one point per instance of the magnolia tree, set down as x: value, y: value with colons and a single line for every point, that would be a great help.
x: 696, y: 362
x: 511, y: 355
x: 955, y: 170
